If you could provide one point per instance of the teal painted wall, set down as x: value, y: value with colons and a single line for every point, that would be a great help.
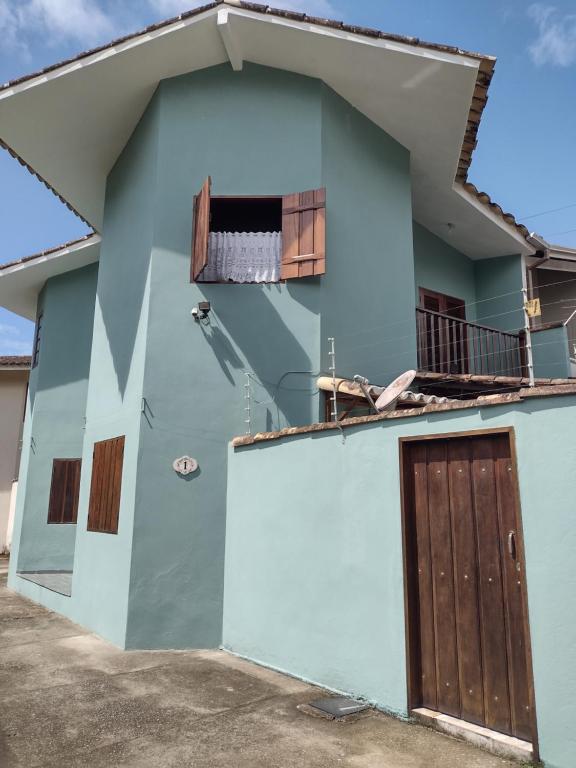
x: 260, y: 131
x: 175, y: 387
x: 499, y: 292
x: 314, y: 576
x: 441, y: 268
x: 55, y: 418
x: 367, y: 294
x: 551, y: 354
x: 102, y: 561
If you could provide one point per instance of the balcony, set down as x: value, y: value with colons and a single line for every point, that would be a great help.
x: 450, y: 345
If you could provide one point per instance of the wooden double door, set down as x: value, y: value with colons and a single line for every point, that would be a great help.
x: 466, y: 594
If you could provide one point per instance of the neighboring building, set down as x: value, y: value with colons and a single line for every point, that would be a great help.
x: 13, y: 384
x: 551, y: 277
x: 261, y: 183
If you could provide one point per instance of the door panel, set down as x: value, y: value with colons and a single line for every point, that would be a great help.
x: 469, y: 629
x: 424, y: 571
x: 466, y: 580
x: 443, y: 582
x: 513, y: 577
x: 493, y: 630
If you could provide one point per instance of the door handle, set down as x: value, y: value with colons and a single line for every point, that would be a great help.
x: 512, y: 544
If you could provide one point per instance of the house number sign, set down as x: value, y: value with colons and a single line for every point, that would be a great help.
x: 185, y: 465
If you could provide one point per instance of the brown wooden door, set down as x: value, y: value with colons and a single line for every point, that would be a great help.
x: 443, y: 340
x: 466, y: 591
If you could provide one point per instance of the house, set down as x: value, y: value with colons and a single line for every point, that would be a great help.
x: 550, y: 276
x: 13, y: 385
x: 274, y: 197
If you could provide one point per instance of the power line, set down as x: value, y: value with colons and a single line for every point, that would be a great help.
x: 566, y: 232
x: 544, y: 213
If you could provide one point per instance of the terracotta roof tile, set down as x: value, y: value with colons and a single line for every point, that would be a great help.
x: 458, y: 405
x: 15, y: 361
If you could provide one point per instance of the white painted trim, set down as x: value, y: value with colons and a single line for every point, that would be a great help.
x: 230, y: 42
x: 44, y: 258
x: 524, y: 248
x: 375, y: 42
x: 461, y: 59
x: 104, y: 54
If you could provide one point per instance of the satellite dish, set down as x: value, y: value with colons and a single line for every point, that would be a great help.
x: 394, y: 390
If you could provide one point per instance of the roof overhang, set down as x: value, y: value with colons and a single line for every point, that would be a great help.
x: 21, y: 281
x: 421, y: 94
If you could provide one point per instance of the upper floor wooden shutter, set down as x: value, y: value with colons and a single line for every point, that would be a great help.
x: 303, y: 234
x: 201, y: 229
x: 64, y: 491
x: 106, y: 485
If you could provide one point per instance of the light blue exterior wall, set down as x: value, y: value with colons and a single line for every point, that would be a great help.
x: 112, y: 347
x: 499, y: 292
x: 259, y: 132
x: 100, y: 588
x: 314, y: 575
x: 54, y: 425
x: 367, y: 292
x: 441, y: 268
x: 551, y: 354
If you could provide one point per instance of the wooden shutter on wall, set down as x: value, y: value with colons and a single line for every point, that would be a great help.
x: 201, y: 230
x: 303, y: 234
x: 106, y: 485
x: 64, y: 491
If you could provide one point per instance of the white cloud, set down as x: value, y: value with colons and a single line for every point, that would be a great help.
x: 556, y: 42
x: 312, y: 7
x: 57, y: 20
x: 76, y: 19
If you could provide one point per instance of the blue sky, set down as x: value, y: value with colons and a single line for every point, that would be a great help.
x: 525, y: 159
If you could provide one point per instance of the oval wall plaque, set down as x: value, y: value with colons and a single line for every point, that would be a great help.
x: 185, y: 465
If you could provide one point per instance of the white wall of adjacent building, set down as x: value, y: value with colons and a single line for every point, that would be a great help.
x: 13, y: 385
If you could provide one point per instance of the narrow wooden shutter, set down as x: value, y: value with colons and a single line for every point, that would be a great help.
x: 106, y: 485
x: 64, y: 491
x: 303, y: 234
x: 201, y: 229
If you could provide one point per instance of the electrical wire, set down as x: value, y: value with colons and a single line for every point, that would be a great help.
x: 544, y: 213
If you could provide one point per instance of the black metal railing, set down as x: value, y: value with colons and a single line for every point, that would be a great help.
x: 450, y: 345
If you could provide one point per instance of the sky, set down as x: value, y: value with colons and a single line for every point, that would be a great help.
x: 525, y: 159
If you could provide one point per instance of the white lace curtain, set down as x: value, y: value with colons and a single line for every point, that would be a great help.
x: 243, y: 257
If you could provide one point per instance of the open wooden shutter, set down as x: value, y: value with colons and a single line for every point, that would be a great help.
x: 201, y: 230
x: 303, y: 234
x: 64, y: 491
x: 106, y: 485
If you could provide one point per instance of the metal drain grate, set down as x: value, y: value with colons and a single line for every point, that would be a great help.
x: 339, y: 706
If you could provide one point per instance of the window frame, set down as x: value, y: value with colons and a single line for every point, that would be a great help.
x: 37, y: 339
x: 303, y: 233
x: 62, y: 496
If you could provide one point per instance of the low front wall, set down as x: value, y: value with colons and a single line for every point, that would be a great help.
x: 314, y: 573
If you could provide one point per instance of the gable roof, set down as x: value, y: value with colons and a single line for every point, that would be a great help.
x: 394, y: 80
x: 22, y: 280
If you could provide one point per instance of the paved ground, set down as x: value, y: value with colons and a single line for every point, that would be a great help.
x: 70, y: 700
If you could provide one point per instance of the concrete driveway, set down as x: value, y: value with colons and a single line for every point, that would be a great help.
x: 70, y: 699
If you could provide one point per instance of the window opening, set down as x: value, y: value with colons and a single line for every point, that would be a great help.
x: 244, y: 240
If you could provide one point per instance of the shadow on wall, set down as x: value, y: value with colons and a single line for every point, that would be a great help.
x: 126, y: 249
x: 247, y: 318
x: 67, y: 303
